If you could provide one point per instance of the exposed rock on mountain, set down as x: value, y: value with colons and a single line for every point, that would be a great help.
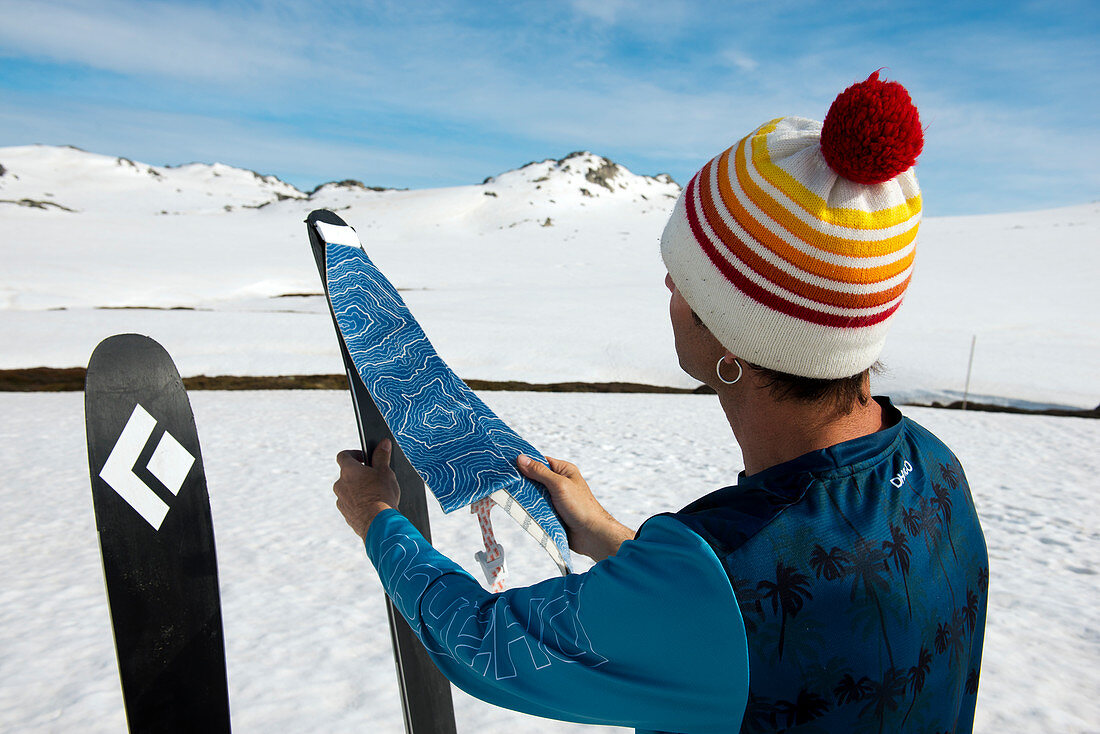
x: 580, y: 173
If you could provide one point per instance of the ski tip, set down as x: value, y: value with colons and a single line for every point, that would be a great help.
x: 123, y: 344
x: 326, y: 216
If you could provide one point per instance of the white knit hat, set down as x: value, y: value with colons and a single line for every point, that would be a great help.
x: 796, y: 245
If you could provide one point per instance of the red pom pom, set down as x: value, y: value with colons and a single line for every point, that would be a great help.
x: 872, y: 132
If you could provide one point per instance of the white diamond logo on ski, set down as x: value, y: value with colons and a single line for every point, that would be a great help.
x: 170, y: 464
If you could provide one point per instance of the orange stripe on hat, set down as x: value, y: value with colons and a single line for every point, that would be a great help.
x: 764, y: 296
x: 791, y: 282
x: 829, y: 243
x: 793, y: 255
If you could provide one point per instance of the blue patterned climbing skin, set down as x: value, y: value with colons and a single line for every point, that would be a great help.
x: 456, y: 443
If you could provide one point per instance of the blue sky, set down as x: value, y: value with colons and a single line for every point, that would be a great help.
x: 421, y: 94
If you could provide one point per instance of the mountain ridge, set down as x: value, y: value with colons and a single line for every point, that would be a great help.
x: 72, y: 180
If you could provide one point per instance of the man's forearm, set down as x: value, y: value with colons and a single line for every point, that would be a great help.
x: 608, y: 538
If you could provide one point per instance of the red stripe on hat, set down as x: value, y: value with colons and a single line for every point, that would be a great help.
x: 763, y: 296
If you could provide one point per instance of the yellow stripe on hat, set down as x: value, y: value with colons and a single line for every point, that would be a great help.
x: 807, y: 164
x: 855, y: 308
x: 809, y: 234
x: 823, y: 265
x: 738, y: 203
x: 813, y: 204
x: 852, y: 292
x: 776, y: 241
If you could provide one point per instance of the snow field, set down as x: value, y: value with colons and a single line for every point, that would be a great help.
x: 307, y: 642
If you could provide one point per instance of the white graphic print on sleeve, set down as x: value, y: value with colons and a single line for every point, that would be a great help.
x: 494, y: 639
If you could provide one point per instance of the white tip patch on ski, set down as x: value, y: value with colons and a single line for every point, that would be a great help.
x: 336, y: 234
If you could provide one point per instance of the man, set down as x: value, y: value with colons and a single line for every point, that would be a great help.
x: 840, y: 585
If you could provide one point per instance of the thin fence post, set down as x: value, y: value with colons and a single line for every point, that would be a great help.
x: 969, y: 368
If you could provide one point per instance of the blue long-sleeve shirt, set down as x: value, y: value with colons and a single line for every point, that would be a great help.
x: 576, y: 648
x: 850, y: 581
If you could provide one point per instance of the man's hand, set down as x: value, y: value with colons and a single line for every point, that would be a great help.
x: 364, y: 491
x: 591, y: 529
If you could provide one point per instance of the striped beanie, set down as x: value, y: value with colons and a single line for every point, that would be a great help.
x: 795, y: 246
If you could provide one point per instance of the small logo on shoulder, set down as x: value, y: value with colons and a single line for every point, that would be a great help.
x: 899, y: 480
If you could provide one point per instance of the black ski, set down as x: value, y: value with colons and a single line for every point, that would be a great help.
x: 152, y: 512
x: 425, y: 692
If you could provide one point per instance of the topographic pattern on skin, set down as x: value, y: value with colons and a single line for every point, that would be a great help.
x: 494, y: 635
x: 456, y: 443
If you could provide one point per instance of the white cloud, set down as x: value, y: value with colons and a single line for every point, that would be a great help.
x: 178, y: 41
x: 740, y: 60
x: 606, y: 10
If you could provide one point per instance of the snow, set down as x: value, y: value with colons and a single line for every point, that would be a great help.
x: 572, y: 284
x: 307, y: 643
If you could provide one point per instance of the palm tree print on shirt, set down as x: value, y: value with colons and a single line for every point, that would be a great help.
x: 897, y: 549
x: 880, y: 696
x: 832, y: 564
x: 942, y: 504
x: 972, y: 682
x: 788, y: 593
x: 884, y: 695
x: 748, y: 601
x: 916, y: 676
x: 804, y: 709
x: 926, y: 521
x: 850, y: 690
x: 867, y: 567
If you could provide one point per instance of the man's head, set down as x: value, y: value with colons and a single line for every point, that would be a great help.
x: 795, y: 246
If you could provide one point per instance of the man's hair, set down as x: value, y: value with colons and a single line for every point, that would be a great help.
x: 843, y: 393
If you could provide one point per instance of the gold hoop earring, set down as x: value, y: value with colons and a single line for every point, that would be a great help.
x: 718, y: 369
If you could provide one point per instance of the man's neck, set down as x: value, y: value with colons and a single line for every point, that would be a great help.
x: 772, y: 432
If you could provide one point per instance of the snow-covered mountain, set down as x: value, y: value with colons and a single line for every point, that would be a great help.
x: 72, y: 180
x: 582, y: 175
